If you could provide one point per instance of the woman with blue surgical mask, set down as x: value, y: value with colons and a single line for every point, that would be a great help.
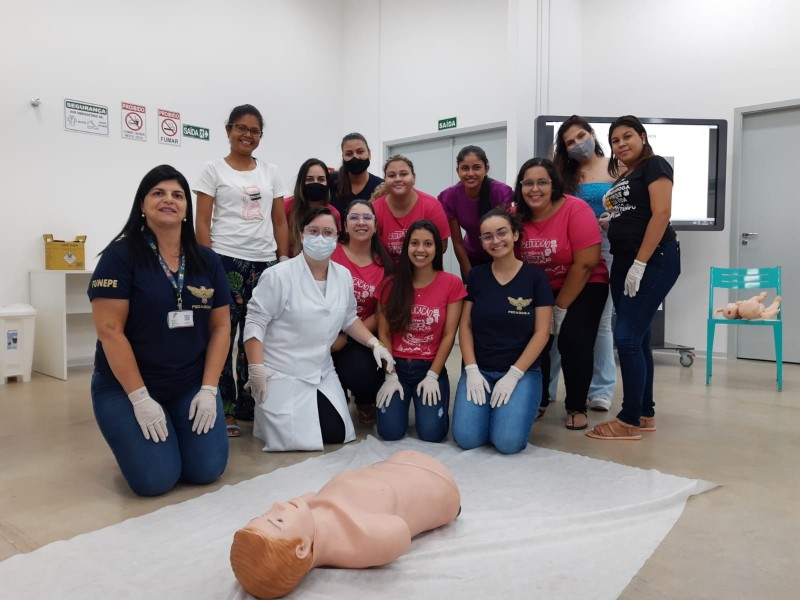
x: 296, y: 313
x: 580, y: 160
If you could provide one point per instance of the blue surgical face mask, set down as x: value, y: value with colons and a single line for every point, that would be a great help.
x: 582, y: 151
x: 318, y: 247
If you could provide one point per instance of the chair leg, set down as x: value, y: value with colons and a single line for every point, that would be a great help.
x: 709, y: 349
x: 778, y: 331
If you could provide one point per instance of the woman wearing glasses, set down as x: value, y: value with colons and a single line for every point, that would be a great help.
x: 240, y: 215
x: 361, y: 252
x: 296, y: 313
x: 310, y: 191
x: 418, y: 314
x: 505, y: 326
x: 402, y: 205
x: 561, y: 237
x: 467, y: 201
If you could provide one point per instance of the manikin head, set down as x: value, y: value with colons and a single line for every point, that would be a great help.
x: 272, y: 553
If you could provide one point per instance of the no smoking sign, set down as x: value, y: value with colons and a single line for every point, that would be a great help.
x: 169, y: 127
x: 134, y: 122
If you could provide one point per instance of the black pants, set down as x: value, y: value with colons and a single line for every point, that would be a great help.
x: 576, y: 345
x: 330, y: 422
x: 357, y: 370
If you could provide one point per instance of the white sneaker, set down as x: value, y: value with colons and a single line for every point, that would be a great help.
x: 598, y: 403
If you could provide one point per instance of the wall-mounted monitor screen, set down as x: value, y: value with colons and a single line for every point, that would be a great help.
x: 696, y: 148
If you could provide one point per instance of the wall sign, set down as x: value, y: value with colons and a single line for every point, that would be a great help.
x: 83, y: 117
x: 198, y: 133
x: 447, y: 123
x: 169, y: 127
x: 134, y: 122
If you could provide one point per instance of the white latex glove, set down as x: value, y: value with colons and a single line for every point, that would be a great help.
x: 257, y: 382
x: 390, y: 385
x: 558, y: 319
x: 203, y: 409
x: 380, y: 352
x: 477, y: 386
x: 505, y: 387
x: 149, y: 415
x: 634, y: 278
x: 428, y: 389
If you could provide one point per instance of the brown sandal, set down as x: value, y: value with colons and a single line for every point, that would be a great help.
x: 614, y: 430
x: 576, y: 420
x: 647, y: 424
x: 366, y: 414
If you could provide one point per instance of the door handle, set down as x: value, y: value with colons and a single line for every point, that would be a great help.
x: 749, y: 235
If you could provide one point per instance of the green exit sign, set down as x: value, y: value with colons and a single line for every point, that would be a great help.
x: 447, y: 123
x: 193, y: 131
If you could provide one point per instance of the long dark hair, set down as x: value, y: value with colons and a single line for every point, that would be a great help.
x: 485, y: 193
x: 343, y: 188
x: 568, y: 167
x: 136, y: 233
x: 557, y: 187
x: 300, y: 205
x: 379, y: 254
x: 401, y: 296
x: 636, y: 125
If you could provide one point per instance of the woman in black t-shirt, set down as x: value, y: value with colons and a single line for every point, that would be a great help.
x: 646, y: 266
x: 352, y: 181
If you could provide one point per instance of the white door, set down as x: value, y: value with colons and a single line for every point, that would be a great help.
x: 769, y: 218
x: 435, y: 164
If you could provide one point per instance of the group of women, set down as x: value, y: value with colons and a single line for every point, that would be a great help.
x: 341, y: 288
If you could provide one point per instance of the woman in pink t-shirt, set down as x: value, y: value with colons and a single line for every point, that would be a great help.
x: 560, y: 235
x: 361, y: 252
x: 418, y: 313
x: 402, y: 205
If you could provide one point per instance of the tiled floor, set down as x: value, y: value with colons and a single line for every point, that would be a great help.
x: 741, y: 540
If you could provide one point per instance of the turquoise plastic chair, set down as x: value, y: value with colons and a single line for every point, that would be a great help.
x: 742, y: 279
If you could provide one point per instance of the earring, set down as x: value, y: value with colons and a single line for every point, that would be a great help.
x: 143, y: 215
x: 184, y: 219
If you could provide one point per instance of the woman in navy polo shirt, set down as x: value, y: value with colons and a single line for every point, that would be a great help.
x: 160, y: 307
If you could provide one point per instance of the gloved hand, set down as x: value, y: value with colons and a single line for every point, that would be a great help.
x: 428, y: 389
x: 149, y: 415
x: 558, y: 319
x: 634, y: 278
x: 380, y: 353
x: 203, y: 409
x: 257, y: 382
x: 603, y: 220
x: 390, y: 385
x: 505, y: 387
x: 477, y: 386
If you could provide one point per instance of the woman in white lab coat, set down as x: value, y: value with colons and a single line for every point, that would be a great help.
x: 296, y: 313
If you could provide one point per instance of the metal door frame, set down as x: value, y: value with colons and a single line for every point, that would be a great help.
x: 739, y: 115
x: 446, y: 133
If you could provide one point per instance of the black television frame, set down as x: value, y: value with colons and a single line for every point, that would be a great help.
x: 543, y: 146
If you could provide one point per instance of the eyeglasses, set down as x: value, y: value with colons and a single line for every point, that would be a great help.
x: 366, y: 217
x: 500, y: 234
x: 540, y: 183
x: 244, y: 129
x: 328, y: 232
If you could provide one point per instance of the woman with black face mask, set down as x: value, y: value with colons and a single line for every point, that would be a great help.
x: 311, y: 191
x: 353, y: 181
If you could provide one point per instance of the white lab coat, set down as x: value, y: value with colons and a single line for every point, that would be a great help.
x: 297, y: 326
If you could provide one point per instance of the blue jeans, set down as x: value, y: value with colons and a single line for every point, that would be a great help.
x: 431, y: 422
x: 150, y: 468
x: 508, y: 427
x: 632, y: 332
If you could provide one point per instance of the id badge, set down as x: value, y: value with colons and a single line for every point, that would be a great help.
x: 177, y: 319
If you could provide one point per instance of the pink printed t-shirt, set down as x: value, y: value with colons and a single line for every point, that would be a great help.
x: 392, y: 230
x: 428, y: 315
x: 365, y: 282
x: 549, y: 244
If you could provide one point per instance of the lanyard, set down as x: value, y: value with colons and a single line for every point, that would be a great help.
x: 177, y: 286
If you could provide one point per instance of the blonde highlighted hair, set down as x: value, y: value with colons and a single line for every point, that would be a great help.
x: 267, y: 567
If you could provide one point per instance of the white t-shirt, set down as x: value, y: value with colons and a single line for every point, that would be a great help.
x: 241, y: 220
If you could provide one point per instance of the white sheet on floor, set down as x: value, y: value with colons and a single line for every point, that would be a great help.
x: 540, y: 524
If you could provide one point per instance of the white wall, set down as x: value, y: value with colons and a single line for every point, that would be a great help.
x: 199, y: 58
x: 689, y: 59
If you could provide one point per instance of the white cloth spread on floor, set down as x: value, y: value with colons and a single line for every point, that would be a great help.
x: 540, y: 524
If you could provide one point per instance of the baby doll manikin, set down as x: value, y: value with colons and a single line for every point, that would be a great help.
x: 752, y: 308
x: 359, y: 519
